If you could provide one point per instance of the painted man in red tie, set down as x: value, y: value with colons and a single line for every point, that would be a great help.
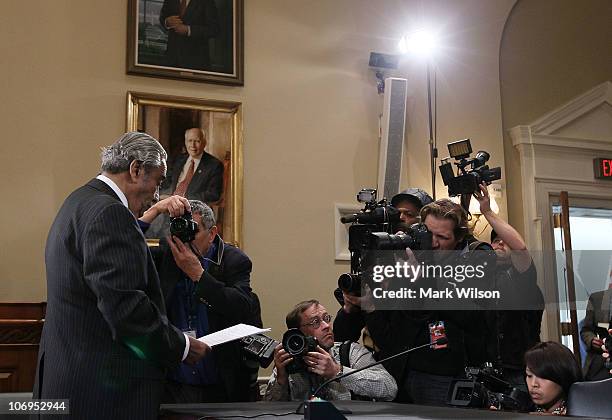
x: 190, y: 24
x: 197, y: 175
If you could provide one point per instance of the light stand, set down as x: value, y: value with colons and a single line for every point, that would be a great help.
x: 433, y: 149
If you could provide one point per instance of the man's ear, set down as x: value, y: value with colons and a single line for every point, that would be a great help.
x: 213, y: 230
x: 136, y: 168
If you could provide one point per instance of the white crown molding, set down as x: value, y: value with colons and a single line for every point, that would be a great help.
x: 574, y: 109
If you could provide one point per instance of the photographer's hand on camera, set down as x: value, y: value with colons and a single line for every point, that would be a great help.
x: 185, y: 259
x: 281, y: 360
x: 354, y: 303
x: 597, y: 344
x: 605, y: 348
x: 322, y: 363
x: 173, y: 206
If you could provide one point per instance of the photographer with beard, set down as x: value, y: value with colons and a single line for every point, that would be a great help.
x: 515, y: 327
x: 313, y: 320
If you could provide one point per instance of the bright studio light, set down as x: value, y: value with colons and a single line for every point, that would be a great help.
x: 422, y: 43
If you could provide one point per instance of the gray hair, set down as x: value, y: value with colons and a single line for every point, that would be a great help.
x: 200, y: 130
x: 208, y: 216
x: 131, y: 146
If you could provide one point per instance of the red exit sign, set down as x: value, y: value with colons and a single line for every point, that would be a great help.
x: 602, y: 168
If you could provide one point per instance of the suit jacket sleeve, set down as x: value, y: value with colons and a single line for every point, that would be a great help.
x: 170, y: 8
x: 117, y: 268
x: 348, y: 326
x: 232, y: 297
x: 587, y: 333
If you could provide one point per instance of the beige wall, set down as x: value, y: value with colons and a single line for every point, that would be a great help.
x: 310, y: 120
x: 552, y: 51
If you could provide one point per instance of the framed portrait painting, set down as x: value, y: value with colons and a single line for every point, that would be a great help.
x: 199, y: 40
x: 203, y: 138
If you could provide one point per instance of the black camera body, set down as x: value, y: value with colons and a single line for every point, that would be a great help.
x: 184, y: 227
x: 471, y: 171
x: 259, y: 347
x: 298, y: 345
x: 485, y: 388
x: 418, y: 237
x: 372, y: 230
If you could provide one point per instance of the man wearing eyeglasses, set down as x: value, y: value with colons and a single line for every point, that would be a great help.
x: 313, y: 320
x: 206, y: 287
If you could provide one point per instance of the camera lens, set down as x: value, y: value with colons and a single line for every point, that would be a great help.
x: 295, y: 344
x: 349, y: 282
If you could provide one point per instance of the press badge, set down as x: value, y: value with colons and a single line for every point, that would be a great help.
x: 436, y: 331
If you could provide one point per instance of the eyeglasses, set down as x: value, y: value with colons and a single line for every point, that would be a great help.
x: 316, y: 323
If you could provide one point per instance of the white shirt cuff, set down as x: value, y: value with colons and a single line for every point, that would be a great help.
x: 186, y: 352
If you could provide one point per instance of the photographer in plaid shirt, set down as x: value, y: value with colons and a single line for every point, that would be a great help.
x: 313, y: 320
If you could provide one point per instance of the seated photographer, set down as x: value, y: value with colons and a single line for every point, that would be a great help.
x: 206, y: 287
x: 551, y: 369
x: 294, y: 378
x: 593, y: 333
x: 516, y: 328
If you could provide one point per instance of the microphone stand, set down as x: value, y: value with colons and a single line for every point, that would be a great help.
x: 321, y: 409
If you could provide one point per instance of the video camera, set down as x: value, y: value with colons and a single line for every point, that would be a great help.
x: 471, y: 172
x: 484, y: 388
x: 372, y: 230
x: 297, y: 345
x: 184, y: 227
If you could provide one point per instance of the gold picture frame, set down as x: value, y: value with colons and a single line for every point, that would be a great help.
x: 167, y: 117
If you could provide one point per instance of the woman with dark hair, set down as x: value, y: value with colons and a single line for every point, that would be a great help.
x: 551, y: 369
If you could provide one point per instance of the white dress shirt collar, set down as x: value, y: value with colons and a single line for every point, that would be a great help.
x: 115, y: 188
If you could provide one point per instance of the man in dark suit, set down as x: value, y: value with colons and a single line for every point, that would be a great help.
x: 190, y: 24
x: 596, y: 322
x: 206, y: 286
x: 106, y: 341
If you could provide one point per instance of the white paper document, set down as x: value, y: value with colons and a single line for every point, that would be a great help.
x: 230, y: 334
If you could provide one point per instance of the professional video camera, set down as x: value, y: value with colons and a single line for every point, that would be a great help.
x: 297, y: 345
x: 472, y: 172
x: 259, y: 347
x: 371, y: 230
x: 484, y: 388
x: 184, y: 227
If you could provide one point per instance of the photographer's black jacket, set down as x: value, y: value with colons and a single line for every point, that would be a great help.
x: 225, y: 289
x: 398, y: 330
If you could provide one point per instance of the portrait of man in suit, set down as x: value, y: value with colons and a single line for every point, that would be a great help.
x: 107, y: 343
x: 189, y: 25
x: 197, y: 175
x: 187, y: 39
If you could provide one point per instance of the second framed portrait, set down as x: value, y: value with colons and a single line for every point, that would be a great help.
x: 203, y: 139
x: 198, y: 40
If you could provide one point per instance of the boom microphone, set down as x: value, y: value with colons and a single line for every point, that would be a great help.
x: 440, y: 341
